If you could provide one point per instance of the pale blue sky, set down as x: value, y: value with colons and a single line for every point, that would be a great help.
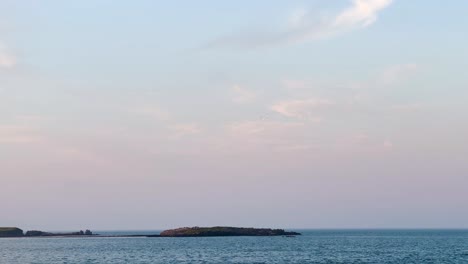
x: 155, y: 114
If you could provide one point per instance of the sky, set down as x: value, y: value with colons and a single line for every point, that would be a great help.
x: 292, y: 114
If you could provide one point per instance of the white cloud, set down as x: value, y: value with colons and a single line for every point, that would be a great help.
x: 242, y: 95
x: 362, y: 13
x: 302, y: 27
x: 302, y: 109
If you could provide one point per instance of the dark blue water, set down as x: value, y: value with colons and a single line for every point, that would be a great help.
x: 315, y: 246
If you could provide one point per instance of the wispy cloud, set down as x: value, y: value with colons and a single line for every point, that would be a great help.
x: 181, y: 130
x: 302, y: 109
x: 364, y: 142
x: 32, y: 118
x: 398, y: 72
x: 7, y: 60
x: 408, y: 107
x: 255, y: 135
x: 261, y: 127
x: 78, y: 154
x: 175, y: 127
x: 302, y: 28
x: 362, y: 13
x: 387, y: 144
x: 241, y: 95
x: 12, y: 134
x: 294, y: 84
x: 152, y: 111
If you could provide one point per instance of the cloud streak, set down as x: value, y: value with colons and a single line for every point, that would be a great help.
x: 302, y: 109
x: 152, y: 111
x: 12, y: 134
x: 408, y: 107
x: 302, y: 28
x: 242, y: 95
x: 181, y: 130
x: 399, y: 72
x: 6, y: 59
x: 255, y: 135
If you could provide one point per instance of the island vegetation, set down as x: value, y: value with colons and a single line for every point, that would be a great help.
x: 35, y: 233
x: 224, y: 231
x: 10, y: 232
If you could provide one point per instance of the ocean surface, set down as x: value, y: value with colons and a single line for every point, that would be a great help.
x: 314, y: 246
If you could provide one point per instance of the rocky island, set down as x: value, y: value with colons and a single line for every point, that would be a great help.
x: 224, y: 231
x: 10, y: 232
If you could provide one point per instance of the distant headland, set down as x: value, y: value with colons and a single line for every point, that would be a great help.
x: 217, y: 231
x: 16, y: 232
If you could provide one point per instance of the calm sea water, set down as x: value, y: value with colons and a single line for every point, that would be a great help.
x: 315, y: 246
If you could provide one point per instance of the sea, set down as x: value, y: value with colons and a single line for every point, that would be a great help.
x: 314, y: 246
